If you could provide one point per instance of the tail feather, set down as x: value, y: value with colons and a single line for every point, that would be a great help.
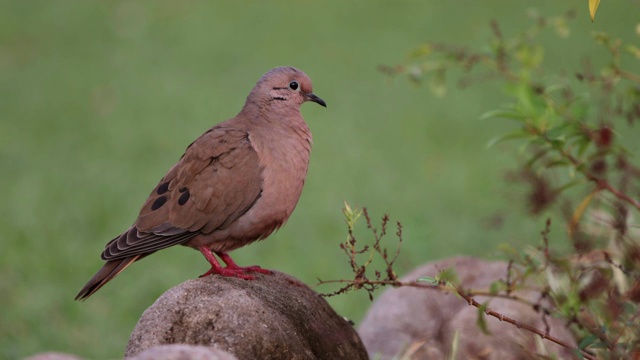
x: 104, y: 275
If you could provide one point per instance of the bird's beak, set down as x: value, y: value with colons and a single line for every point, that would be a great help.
x: 313, y: 97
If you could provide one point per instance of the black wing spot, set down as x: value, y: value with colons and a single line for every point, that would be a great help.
x: 163, y: 188
x: 158, y: 203
x: 184, y: 197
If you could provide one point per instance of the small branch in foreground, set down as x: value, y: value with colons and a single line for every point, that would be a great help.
x: 604, y: 184
x: 469, y: 299
x: 350, y: 248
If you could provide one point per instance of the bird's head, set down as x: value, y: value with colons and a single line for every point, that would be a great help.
x: 283, y: 87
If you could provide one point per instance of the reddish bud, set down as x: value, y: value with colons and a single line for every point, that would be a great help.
x: 604, y: 137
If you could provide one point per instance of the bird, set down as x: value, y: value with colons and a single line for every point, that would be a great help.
x: 235, y: 184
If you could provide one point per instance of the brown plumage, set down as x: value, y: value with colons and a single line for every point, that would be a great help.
x: 235, y: 184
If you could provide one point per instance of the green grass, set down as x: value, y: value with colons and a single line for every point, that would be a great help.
x: 99, y: 99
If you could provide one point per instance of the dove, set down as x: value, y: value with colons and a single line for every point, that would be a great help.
x: 235, y: 184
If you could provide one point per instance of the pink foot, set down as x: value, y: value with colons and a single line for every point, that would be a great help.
x: 232, y: 265
x: 232, y: 269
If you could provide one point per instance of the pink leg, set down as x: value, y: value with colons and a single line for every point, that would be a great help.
x: 232, y: 269
x: 232, y: 264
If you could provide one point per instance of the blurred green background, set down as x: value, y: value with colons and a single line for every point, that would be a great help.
x: 98, y: 99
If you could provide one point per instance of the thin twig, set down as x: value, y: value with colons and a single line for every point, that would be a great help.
x: 469, y: 298
x: 602, y: 183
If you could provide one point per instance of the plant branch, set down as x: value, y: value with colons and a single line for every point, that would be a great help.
x: 468, y: 296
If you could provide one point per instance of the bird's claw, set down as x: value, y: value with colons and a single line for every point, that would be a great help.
x: 237, y: 271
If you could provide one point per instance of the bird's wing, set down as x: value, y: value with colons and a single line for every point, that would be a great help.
x: 217, y: 180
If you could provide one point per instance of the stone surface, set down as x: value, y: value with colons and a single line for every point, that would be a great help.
x: 272, y: 317
x: 422, y: 322
x: 183, y: 352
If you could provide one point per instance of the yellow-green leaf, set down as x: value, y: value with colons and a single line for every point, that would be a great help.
x: 577, y: 214
x: 593, y: 7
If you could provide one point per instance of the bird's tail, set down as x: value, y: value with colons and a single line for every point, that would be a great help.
x: 104, y: 275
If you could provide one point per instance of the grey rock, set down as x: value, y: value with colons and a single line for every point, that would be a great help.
x: 183, y: 352
x: 272, y: 317
x: 422, y: 323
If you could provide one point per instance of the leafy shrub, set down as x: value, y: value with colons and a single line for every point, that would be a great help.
x: 574, y: 166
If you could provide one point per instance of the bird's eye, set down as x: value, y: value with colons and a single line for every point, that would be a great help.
x: 294, y: 85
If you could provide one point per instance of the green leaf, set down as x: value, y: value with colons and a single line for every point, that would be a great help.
x: 570, y: 184
x: 428, y: 279
x: 481, y: 322
x: 503, y: 113
x: 524, y: 97
x: 587, y: 341
x: 557, y: 163
x: 351, y: 215
x: 540, y: 155
x: 557, y: 144
x: 599, y: 345
x: 580, y: 107
x: 495, y: 287
x: 583, y: 145
x: 449, y: 275
x: 518, y: 134
x: 558, y: 132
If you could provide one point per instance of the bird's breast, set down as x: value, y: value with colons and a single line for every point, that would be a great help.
x: 284, y: 159
x: 285, y: 169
